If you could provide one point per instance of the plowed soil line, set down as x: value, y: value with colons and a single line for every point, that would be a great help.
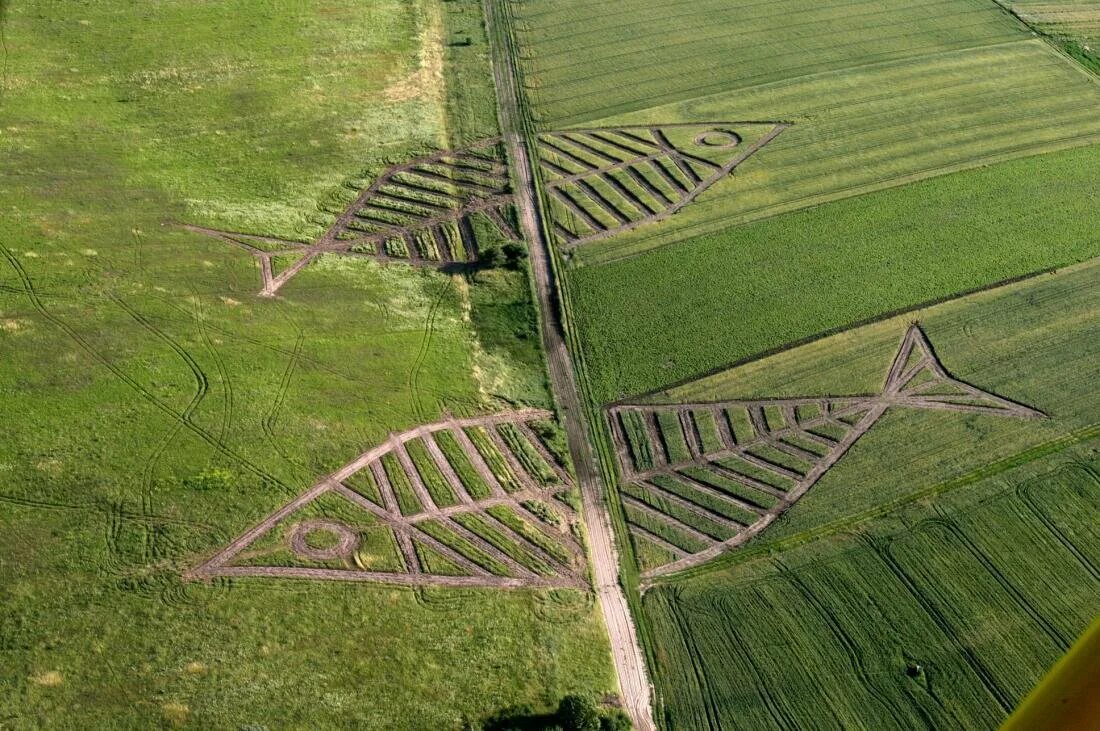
x: 627, y: 654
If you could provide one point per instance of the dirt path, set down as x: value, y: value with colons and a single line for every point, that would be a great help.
x: 625, y: 650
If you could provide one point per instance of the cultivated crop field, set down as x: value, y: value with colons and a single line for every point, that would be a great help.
x: 941, y: 566
x: 816, y: 517
x: 931, y: 619
x: 877, y: 94
x: 675, y: 313
x: 586, y: 62
x: 155, y: 408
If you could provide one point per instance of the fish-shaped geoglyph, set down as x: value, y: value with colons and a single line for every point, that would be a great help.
x: 606, y: 180
x: 481, y: 501
x: 701, y: 479
x: 599, y: 182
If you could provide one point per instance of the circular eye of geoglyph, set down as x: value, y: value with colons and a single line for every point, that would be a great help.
x: 718, y: 138
x: 339, y: 542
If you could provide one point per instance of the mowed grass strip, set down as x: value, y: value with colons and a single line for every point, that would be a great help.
x: 493, y: 457
x: 447, y: 536
x: 505, y: 514
x: 527, y: 454
x: 586, y: 61
x: 429, y: 473
x: 407, y: 501
x: 673, y: 313
x: 859, y: 130
x: 494, y: 536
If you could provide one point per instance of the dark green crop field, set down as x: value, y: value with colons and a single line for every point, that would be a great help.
x: 680, y: 311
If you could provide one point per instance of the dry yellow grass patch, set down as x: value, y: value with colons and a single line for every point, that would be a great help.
x: 426, y: 82
x: 175, y: 713
x: 49, y: 679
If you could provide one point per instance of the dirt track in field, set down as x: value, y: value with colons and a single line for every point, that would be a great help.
x: 626, y: 652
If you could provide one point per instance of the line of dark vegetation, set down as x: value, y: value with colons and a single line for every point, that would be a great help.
x: 575, y: 713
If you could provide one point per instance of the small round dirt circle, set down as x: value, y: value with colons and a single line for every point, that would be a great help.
x: 346, y: 540
x: 720, y: 138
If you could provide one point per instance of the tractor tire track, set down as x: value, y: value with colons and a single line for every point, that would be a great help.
x: 219, y: 364
x: 965, y: 651
x: 202, y: 387
x: 1060, y: 641
x: 851, y: 649
x: 701, y: 680
x: 267, y: 423
x: 128, y: 380
x: 1031, y: 504
x: 413, y: 379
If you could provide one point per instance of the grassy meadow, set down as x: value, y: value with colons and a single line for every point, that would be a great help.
x: 934, y: 574
x: 155, y: 408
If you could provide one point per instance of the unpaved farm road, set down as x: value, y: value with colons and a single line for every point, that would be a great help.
x: 627, y: 654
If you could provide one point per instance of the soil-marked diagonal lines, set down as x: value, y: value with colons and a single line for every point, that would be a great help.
x: 604, y: 181
x: 600, y: 182
x: 701, y: 479
x: 417, y: 212
x: 460, y: 502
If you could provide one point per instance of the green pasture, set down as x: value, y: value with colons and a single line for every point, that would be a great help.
x: 155, y: 407
x: 679, y: 312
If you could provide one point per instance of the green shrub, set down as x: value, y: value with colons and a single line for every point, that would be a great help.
x: 578, y: 713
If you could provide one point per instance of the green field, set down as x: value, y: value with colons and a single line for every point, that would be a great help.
x: 877, y: 94
x: 155, y: 408
x: 862, y: 129
x: 588, y: 63
x: 934, y: 574
x: 678, y: 312
x: 937, y: 617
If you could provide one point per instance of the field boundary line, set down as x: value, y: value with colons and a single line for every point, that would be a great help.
x: 628, y: 658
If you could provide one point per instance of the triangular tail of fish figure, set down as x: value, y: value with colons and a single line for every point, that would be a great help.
x: 917, y: 379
